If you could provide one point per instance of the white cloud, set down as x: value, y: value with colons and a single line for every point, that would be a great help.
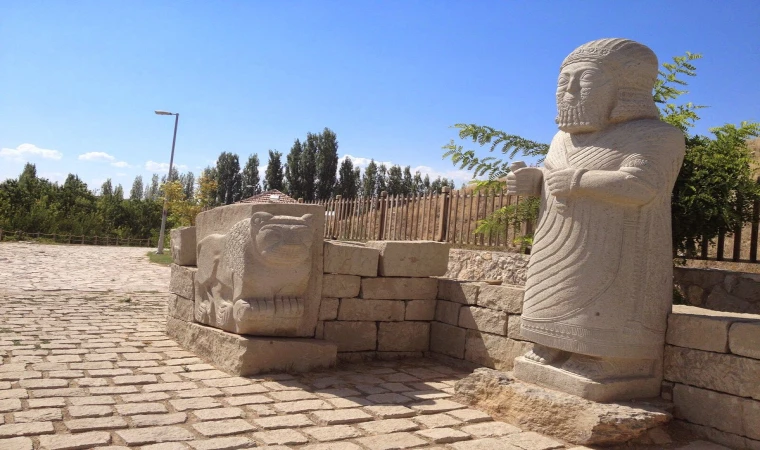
x: 24, y: 152
x: 120, y: 164
x: 121, y: 174
x: 459, y: 176
x: 96, y: 156
x: 359, y: 161
x: 153, y: 166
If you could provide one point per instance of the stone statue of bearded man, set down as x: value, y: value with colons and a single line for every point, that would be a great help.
x: 599, y: 282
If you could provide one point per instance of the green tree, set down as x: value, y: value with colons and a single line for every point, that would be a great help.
x: 136, y: 192
x: 395, y: 180
x: 294, y: 171
x: 152, y: 191
x: 187, y: 180
x: 327, y: 163
x: 273, y: 178
x: 381, y: 183
x: 417, y: 183
x: 369, y: 182
x: 251, y: 177
x: 309, y: 166
x: 228, y: 178
x: 407, y: 185
x: 346, y: 185
x: 716, y: 188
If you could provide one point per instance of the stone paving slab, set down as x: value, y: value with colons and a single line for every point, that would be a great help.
x: 28, y: 266
x: 85, y: 363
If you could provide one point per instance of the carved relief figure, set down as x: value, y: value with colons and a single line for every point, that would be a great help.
x: 599, y: 281
x: 252, y: 280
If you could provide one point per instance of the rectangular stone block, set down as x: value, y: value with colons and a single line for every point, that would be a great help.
x: 340, y: 286
x: 328, y: 310
x: 371, y: 310
x: 181, y: 308
x: 458, y: 291
x: 352, y: 336
x: 420, y: 310
x: 744, y: 339
x: 183, y: 246
x: 182, y: 281
x: 447, y: 312
x: 501, y: 298
x: 483, y: 319
x: 513, y: 327
x: 399, y: 288
x: 403, y: 336
x: 496, y: 352
x: 447, y: 339
x: 266, y: 259
x: 699, y: 331
x: 350, y: 258
x: 720, y: 372
x: 411, y: 258
x: 714, y: 409
x: 249, y: 355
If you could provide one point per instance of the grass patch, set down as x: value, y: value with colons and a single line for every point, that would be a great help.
x: 164, y: 259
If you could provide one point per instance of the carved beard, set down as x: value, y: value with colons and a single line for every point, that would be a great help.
x: 580, y: 118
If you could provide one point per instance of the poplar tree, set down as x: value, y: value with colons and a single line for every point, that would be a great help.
x: 228, y: 178
x: 136, y: 192
x: 309, y: 165
x: 294, y: 171
x: 251, y: 178
x: 273, y: 179
x: 327, y: 163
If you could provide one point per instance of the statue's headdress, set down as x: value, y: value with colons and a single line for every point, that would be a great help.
x: 633, y: 66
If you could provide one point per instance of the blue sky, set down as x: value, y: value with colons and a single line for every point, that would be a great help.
x: 79, y: 80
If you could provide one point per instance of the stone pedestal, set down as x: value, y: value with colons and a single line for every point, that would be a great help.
x: 597, y: 390
x: 559, y: 414
x: 249, y: 355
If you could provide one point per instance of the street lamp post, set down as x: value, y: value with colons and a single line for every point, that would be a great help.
x: 160, y: 249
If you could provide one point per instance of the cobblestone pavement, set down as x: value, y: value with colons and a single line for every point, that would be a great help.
x: 82, y: 370
x: 35, y: 267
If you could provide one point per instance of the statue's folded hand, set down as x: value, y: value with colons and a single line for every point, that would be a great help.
x: 560, y: 182
x: 525, y: 181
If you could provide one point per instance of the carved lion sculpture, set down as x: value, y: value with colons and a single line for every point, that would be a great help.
x: 252, y: 279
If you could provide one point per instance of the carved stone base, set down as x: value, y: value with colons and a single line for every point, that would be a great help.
x: 249, y: 355
x: 557, y: 414
x: 605, y: 390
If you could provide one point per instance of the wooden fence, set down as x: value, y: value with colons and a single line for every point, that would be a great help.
x: 446, y: 217
x: 77, y: 239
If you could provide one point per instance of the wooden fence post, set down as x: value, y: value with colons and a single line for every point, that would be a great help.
x: 1, y: 234
x: 721, y: 244
x: 383, y: 208
x: 754, y: 231
x: 443, y: 223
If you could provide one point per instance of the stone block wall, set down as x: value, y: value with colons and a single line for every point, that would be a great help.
x: 478, y: 323
x: 712, y: 374
x: 182, y: 287
x: 371, y: 316
x: 719, y: 290
x: 481, y: 265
